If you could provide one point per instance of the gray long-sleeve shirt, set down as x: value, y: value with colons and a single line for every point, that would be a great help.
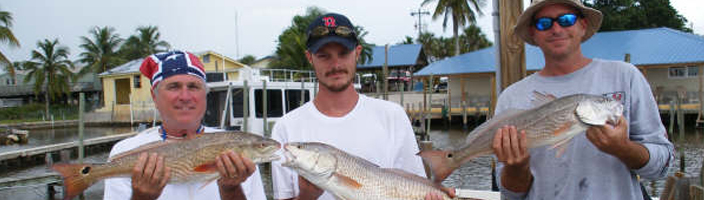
x: 583, y: 171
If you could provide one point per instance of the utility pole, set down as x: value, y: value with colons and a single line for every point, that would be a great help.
x: 419, y: 24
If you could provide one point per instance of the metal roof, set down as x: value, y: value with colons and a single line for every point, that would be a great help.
x: 654, y: 46
x: 399, y: 55
x: 127, y: 68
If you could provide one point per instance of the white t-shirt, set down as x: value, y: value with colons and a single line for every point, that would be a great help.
x: 376, y: 130
x: 121, y: 187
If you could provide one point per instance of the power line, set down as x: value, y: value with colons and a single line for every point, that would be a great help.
x: 419, y: 24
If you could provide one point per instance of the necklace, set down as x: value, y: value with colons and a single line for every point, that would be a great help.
x: 164, y: 136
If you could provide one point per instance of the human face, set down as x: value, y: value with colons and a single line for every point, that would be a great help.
x: 181, y: 100
x: 334, y: 66
x: 559, y: 42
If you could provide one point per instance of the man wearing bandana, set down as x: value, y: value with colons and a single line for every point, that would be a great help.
x: 179, y: 92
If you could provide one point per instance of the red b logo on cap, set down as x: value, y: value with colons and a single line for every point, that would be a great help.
x: 329, y: 21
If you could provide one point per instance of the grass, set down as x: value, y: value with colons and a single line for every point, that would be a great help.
x: 35, y: 112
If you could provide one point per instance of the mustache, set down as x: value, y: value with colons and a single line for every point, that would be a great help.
x: 334, y: 71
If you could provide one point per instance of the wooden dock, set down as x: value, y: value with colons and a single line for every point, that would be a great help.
x: 38, y: 155
x: 61, y: 146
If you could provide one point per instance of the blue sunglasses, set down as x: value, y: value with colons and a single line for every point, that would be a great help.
x: 565, y: 20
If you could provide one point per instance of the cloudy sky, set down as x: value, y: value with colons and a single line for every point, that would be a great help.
x: 233, y: 27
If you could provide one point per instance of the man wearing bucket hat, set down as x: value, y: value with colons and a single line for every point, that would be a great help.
x: 604, y: 162
x: 179, y: 92
x: 376, y: 130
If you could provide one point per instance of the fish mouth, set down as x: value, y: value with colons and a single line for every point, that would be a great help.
x: 290, y: 158
x: 270, y: 158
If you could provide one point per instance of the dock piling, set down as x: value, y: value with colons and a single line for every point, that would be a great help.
x: 682, y: 162
x: 464, y: 116
x: 671, y: 128
x: 81, y: 124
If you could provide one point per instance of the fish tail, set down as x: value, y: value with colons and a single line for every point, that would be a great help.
x: 441, y: 163
x: 76, y: 177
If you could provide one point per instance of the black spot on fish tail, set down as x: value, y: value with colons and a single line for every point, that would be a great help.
x: 85, y: 170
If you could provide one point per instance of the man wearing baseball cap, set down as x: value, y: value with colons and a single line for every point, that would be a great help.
x: 373, y: 129
x: 604, y: 162
x: 179, y: 92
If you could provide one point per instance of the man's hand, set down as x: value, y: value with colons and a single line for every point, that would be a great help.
x: 512, y: 149
x: 308, y: 191
x: 613, y: 139
x: 234, y: 169
x: 609, y: 138
x: 149, y: 176
x: 435, y: 196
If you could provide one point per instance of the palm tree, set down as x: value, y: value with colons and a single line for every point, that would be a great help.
x: 12, y: 70
x: 461, y: 13
x: 366, y: 55
x: 248, y: 59
x: 100, y: 51
x: 6, y: 36
x: 145, y: 43
x: 50, y: 68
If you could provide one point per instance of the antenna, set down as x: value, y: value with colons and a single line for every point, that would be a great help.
x: 237, y: 37
x: 419, y: 24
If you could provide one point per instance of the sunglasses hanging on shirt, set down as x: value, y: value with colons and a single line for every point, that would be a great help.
x: 565, y: 20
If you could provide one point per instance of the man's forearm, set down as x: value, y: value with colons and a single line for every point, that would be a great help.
x: 516, y: 179
x: 634, y: 155
x: 306, y: 196
x: 235, y: 193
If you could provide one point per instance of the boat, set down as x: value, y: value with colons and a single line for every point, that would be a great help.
x: 9, y: 136
x: 240, y: 104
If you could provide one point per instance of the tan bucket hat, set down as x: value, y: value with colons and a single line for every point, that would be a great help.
x: 522, y: 29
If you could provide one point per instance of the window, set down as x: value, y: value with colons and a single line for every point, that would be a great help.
x: 237, y: 102
x: 137, y: 81
x: 692, y: 71
x: 206, y: 59
x: 677, y: 72
x: 683, y: 72
x: 293, y: 99
x: 274, y: 107
x: 214, y: 77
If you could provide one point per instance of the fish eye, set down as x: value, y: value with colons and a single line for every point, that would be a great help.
x: 449, y: 155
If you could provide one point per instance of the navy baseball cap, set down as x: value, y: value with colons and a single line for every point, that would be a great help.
x: 331, y: 27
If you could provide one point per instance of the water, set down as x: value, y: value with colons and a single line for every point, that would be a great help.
x: 41, y: 137
x: 475, y: 174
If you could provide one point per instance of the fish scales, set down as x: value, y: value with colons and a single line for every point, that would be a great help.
x: 370, y: 181
x: 552, y: 123
x: 190, y: 160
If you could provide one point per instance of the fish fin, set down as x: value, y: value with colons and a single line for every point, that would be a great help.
x: 541, y: 98
x: 561, y: 147
x: 338, y: 197
x: 348, y: 181
x: 206, y: 167
x: 208, y: 181
x: 140, y: 149
x: 440, y: 163
x: 76, y: 177
x: 562, y: 129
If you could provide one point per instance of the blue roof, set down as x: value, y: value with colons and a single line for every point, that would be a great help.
x: 647, y: 47
x: 399, y: 55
